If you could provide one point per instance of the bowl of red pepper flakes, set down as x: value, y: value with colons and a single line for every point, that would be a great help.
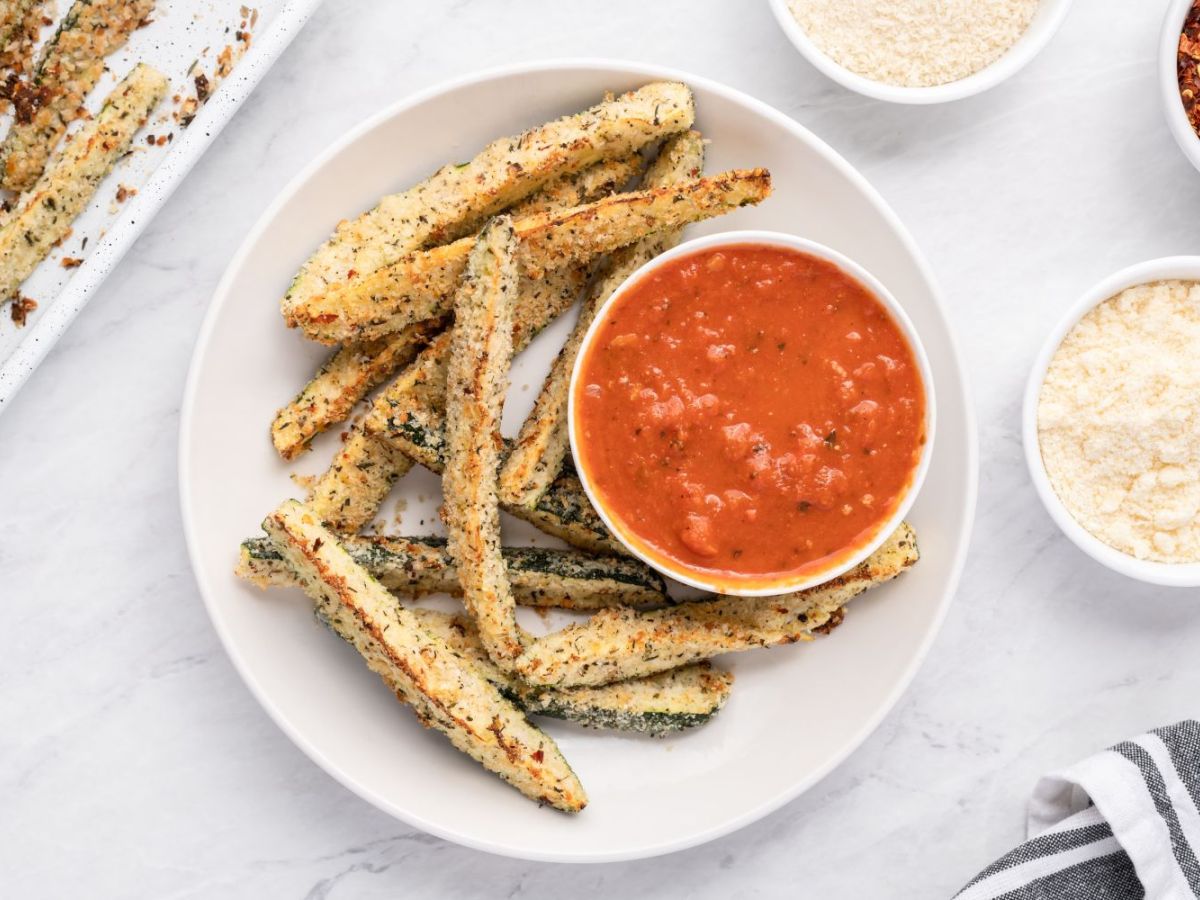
x: 1179, y: 75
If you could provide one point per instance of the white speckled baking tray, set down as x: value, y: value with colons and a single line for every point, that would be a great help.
x: 183, y: 34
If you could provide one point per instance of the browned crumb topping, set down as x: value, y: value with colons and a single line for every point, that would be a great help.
x: 206, y: 84
x: 71, y: 262
x: 21, y: 308
x: 835, y: 619
x: 26, y: 99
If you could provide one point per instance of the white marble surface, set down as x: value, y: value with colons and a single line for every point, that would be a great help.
x: 133, y: 763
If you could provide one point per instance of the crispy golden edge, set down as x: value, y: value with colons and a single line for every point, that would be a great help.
x: 620, y: 706
x: 45, y: 214
x: 614, y: 645
x: 352, y: 489
x: 445, y: 690
x: 20, y: 25
x: 543, y: 442
x: 476, y: 382
x: 71, y: 64
x: 348, y: 494
x: 345, y: 378
x: 355, y: 369
x: 456, y: 199
x: 420, y: 286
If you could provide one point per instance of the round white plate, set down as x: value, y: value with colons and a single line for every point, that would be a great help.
x: 795, y: 713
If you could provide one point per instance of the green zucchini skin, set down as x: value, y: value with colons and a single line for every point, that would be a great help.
x: 669, y: 702
x: 414, y: 566
x: 657, y: 705
x: 563, y: 511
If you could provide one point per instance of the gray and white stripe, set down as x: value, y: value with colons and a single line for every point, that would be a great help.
x: 1122, y: 824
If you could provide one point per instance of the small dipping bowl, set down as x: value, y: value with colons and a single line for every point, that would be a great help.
x: 1045, y: 23
x: 1175, y: 268
x: 1168, y: 80
x: 791, y: 582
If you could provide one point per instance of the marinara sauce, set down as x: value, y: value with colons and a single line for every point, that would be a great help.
x: 750, y: 413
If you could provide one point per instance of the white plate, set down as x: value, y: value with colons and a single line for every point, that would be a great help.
x: 795, y: 713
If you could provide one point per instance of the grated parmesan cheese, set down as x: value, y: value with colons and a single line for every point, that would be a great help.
x: 914, y: 43
x: 1119, y: 424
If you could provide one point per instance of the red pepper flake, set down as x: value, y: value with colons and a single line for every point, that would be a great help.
x: 538, y: 756
x: 70, y: 262
x: 1188, y: 66
x: 21, y: 308
x: 317, y: 544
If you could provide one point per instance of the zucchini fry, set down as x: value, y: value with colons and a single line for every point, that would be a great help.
x: 660, y: 704
x: 618, y: 644
x: 542, y: 444
x: 358, y: 367
x: 344, y: 379
x: 352, y: 489
x: 70, y: 65
x: 416, y: 566
x: 45, y: 214
x: 456, y: 199
x: 12, y: 17
x: 476, y: 382
x: 563, y: 511
x: 444, y: 689
x: 20, y: 25
x: 422, y: 284
x: 348, y: 495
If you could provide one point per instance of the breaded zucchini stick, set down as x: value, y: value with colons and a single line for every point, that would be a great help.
x: 345, y: 378
x: 660, y: 704
x: 20, y: 24
x: 563, y: 511
x: 358, y: 367
x: 543, y: 442
x: 70, y: 65
x: 349, y: 494
x: 45, y: 214
x: 12, y: 17
x: 422, y: 284
x: 456, y: 199
x: 445, y: 690
x: 416, y: 566
x: 618, y: 644
x: 476, y: 382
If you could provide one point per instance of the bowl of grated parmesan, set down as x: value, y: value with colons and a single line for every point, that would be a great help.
x: 919, y: 51
x: 1112, y: 427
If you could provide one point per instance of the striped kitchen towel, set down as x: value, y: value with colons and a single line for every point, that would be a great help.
x: 1121, y: 824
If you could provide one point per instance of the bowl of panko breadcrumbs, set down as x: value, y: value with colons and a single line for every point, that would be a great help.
x: 919, y: 51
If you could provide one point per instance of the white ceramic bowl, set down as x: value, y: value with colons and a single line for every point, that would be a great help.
x: 647, y: 796
x: 855, y: 271
x: 1168, y: 81
x: 1045, y: 23
x: 1185, y: 268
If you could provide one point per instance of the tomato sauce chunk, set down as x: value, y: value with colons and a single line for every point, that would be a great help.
x: 750, y: 413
